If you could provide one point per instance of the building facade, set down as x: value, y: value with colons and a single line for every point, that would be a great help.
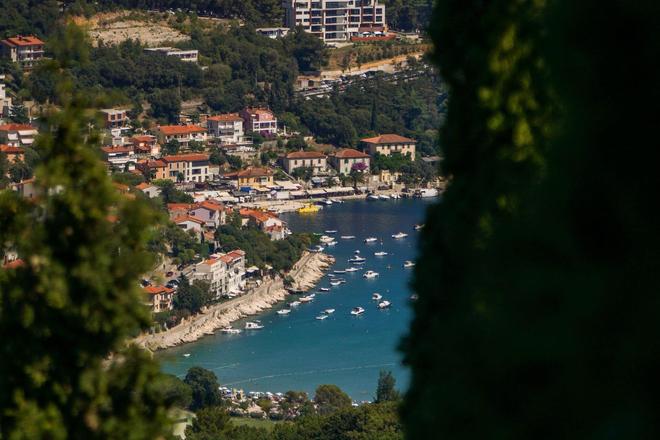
x: 260, y: 121
x: 18, y: 135
x: 348, y: 159
x: 182, y: 134
x: 189, y: 56
x: 305, y: 159
x: 114, y: 118
x: 159, y: 298
x: 5, y: 101
x: 187, y: 167
x: 227, y: 128
x: 252, y: 177
x: 118, y: 156
x: 335, y: 20
x: 224, y: 272
x: 25, y: 51
x: 387, y: 144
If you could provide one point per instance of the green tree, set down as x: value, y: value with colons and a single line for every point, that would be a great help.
x: 308, y: 50
x: 175, y: 391
x: 19, y: 114
x: 170, y: 194
x: 210, y: 423
x: 330, y: 398
x: 166, y: 104
x: 171, y: 147
x: 191, y: 297
x: 204, y: 384
x: 386, y: 391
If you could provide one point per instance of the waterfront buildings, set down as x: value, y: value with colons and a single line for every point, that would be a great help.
x: 260, y: 121
x: 192, y: 167
x: 252, y: 177
x: 336, y: 21
x: 18, y: 135
x: 267, y: 221
x: 25, y: 51
x: 227, y: 128
x: 224, y: 272
x: 348, y: 159
x: 387, y: 144
x: 305, y: 159
x: 159, y: 298
x: 183, y: 134
x: 189, y: 56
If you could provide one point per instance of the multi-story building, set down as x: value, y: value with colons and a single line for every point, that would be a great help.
x: 153, y: 169
x: 227, y: 128
x: 259, y: 120
x: 348, y: 159
x: 305, y: 159
x: 235, y: 279
x: 335, y: 20
x: 145, y: 145
x: 224, y: 272
x: 387, y: 144
x: 18, y: 135
x: 189, y: 56
x: 273, y: 32
x: 5, y: 102
x: 252, y: 177
x: 182, y: 133
x: 118, y: 156
x: 13, y: 154
x: 26, y: 51
x: 114, y: 118
x: 159, y: 298
x: 188, y: 167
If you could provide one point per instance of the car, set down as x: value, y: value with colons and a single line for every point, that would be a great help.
x: 145, y: 282
x: 169, y: 274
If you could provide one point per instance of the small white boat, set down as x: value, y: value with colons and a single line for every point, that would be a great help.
x: 399, y: 235
x: 425, y: 192
x: 186, y: 355
x: 356, y: 259
x: 384, y: 197
x: 376, y: 296
x: 370, y: 274
x: 326, y: 239
x: 414, y: 297
x: 373, y: 197
x: 335, y: 283
x: 357, y: 311
x: 342, y: 281
x: 331, y: 275
x: 340, y: 201
x: 395, y: 196
x: 408, y: 263
x: 329, y: 311
x: 380, y: 253
x: 306, y: 299
x: 326, y: 202
x: 384, y: 304
x: 339, y: 271
x: 321, y: 317
x: 419, y: 227
x: 284, y: 312
x: 332, y: 243
x: 347, y: 237
x: 352, y: 269
x: 253, y: 325
x: 357, y: 251
x: 324, y: 289
x: 230, y: 330
x: 295, y: 303
x: 370, y: 239
x: 331, y: 231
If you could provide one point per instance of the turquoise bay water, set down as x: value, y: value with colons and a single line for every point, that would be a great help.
x: 298, y: 352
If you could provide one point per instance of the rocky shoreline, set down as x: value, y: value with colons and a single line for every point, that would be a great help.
x: 305, y: 274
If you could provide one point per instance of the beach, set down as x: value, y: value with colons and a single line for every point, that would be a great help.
x: 305, y: 274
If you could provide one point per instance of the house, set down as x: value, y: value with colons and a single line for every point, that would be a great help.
x: 305, y: 159
x: 26, y: 189
x: 192, y: 167
x: 252, y: 177
x: 159, y: 298
x: 149, y: 189
x: 273, y: 32
x: 18, y: 135
x: 114, y: 118
x: 189, y: 223
x: 214, y: 271
x: 118, y: 156
x: 348, y: 159
x: 211, y: 212
x: 235, y: 279
x: 247, y: 153
x: 227, y: 128
x: 5, y: 101
x: 145, y: 145
x: 181, y: 133
x: 267, y: 221
x: 153, y: 169
x: 387, y: 144
x: 13, y: 154
x: 26, y: 51
x: 179, y: 209
x: 189, y: 56
x: 260, y: 121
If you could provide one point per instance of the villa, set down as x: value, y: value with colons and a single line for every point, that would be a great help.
x: 348, y: 159
x: 305, y: 159
x: 387, y: 144
x: 159, y: 298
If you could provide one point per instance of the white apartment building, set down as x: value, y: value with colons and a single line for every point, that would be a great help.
x: 190, y: 56
x: 259, y: 120
x: 235, y: 279
x: 26, y: 51
x: 335, y: 20
x: 224, y: 272
x: 5, y: 102
x: 306, y: 159
x: 191, y: 167
x: 227, y: 128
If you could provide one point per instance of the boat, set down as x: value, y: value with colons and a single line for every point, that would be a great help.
x: 332, y: 243
x: 409, y: 263
x: 335, y: 283
x: 370, y: 274
x: 384, y: 197
x: 376, y: 296
x: 347, y: 237
x: 230, y: 330
x: 284, y: 312
x: 380, y: 253
x: 309, y: 209
x: 326, y: 239
x: 384, y: 304
x: 321, y: 317
x: 370, y: 239
x: 419, y: 227
x: 357, y: 251
x: 399, y: 235
x: 324, y: 289
x: 294, y: 304
x: 253, y: 325
x: 359, y: 262
x: 373, y: 197
x: 339, y: 271
x: 356, y: 259
x: 306, y: 299
x: 186, y: 355
x: 414, y: 297
x: 357, y: 311
x: 351, y: 269
x: 330, y: 231
x: 395, y: 196
x: 425, y: 192
x: 341, y: 281
x: 326, y: 202
x: 329, y: 311
x: 337, y: 201
x: 311, y: 295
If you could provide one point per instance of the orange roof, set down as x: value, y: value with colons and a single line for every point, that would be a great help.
x: 16, y: 127
x: 211, y: 205
x: 349, y: 153
x: 305, y: 155
x: 152, y: 163
x: 232, y: 256
x: 144, y: 185
x: 155, y: 290
x: 144, y: 138
x: 187, y: 218
x: 388, y: 139
x: 169, y: 130
x: 116, y: 149
x: 14, y: 264
x: 225, y: 117
x: 260, y: 216
x: 11, y: 150
x: 180, y: 206
x: 254, y: 172
x: 193, y: 157
x: 20, y: 40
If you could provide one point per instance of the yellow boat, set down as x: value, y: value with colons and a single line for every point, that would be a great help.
x: 309, y: 208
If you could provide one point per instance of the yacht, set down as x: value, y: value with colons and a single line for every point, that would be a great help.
x: 373, y: 197
x: 376, y: 296
x: 357, y: 311
x: 294, y: 304
x: 395, y: 196
x: 352, y: 269
x: 335, y: 283
x: 326, y: 239
x: 425, y: 192
x: 332, y: 243
x: 324, y: 289
x: 326, y: 202
x: 186, y: 355
x: 370, y: 274
x: 284, y: 312
x: 384, y: 304
x: 356, y: 259
x: 253, y: 325
x: 419, y: 227
x: 340, y: 201
x: 359, y: 263
x: 409, y: 263
x: 384, y: 197
x: 329, y: 311
x: 321, y: 317
x: 306, y: 299
x: 347, y: 237
x: 400, y: 235
x: 331, y: 231
x: 370, y: 239
x: 230, y: 330
x: 380, y: 253
x: 339, y: 271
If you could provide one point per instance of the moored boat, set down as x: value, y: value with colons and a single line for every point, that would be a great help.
x: 380, y: 253
x: 321, y: 317
x: 230, y: 331
x: 357, y: 311
x: 384, y: 304
x: 331, y: 231
x: 399, y: 235
x: 294, y: 304
x: 335, y: 283
x: 384, y: 197
x: 370, y: 274
x: 329, y: 311
x: 253, y: 325
x: 356, y: 259
x: 324, y: 289
x: 347, y: 237
x: 352, y: 269
x: 408, y: 263
x: 284, y: 312
x: 370, y: 239
x: 309, y: 209
x: 376, y: 296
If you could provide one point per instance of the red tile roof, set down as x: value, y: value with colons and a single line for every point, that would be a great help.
x: 188, y: 218
x: 14, y: 264
x: 144, y: 185
x: 11, y: 150
x: 305, y: 155
x: 211, y: 205
x: 255, y: 172
x: 193, y: 157
x: 116, y: 149
x: 21, y: 40
x: 349, y: 153
x: 16, y: 127
x: 225, y: 117
x: 169, y: 130
x: 155, y: 290
x: 144, y: 138
x: 180, y: 206
x: 388, y: 139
